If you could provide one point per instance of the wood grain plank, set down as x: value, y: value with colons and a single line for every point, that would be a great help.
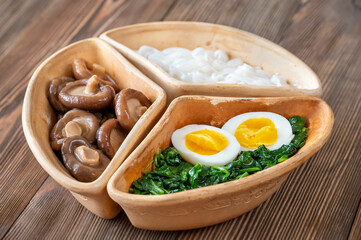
x: 321, y: 35
x: 61, y: 25
x: 268, y: 19
x: 20, y: 174
x: 54, y: 214
x: 123, y: 13
x: 356, y: 228
x: 319, y: 200
x: 327, y: 214
x: 14, y: 16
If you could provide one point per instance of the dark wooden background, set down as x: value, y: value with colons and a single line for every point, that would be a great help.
x: 319, y: 200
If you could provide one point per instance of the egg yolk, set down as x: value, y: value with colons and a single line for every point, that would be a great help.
x: 254, y: 132
x: 206, y: 142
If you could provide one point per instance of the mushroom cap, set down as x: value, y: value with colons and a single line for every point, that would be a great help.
x: 55, y: 86
x: 103, y: 116
x: 108, y: 80
x: 87, y: 121
x: 110, y: 136
x: 113, y: 105
x: 124, y: 116
x: 78, y: 169
x: 101, y: 99
x: 84, y: 70
x: 81, y: 69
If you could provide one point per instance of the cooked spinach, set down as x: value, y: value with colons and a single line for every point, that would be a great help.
x: 173, y: 174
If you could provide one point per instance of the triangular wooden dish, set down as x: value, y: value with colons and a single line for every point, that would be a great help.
x: 213, y: 204
x: 251, y: 48
x: 38, y: 118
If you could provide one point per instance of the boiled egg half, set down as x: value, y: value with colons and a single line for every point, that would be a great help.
x: 206, y: 145
x: 254, y: 129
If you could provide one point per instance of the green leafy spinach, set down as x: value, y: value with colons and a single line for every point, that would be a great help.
x: 173, y: 174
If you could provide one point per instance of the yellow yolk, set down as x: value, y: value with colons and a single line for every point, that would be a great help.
x: 206, y: 142
x: 254, y: 132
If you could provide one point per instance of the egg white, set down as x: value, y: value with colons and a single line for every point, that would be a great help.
x: 283, y: 126
x: 225, y: 156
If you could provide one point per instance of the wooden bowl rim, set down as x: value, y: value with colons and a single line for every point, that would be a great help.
x: 204, y: 193
x: 65, y: 179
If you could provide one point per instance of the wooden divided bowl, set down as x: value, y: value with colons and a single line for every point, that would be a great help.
x: 38, y: 118
x: 251, y: 48
x: 213, y: 204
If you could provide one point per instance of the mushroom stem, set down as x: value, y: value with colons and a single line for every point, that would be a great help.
x: 87, y: 155
x: 140, y: 110
x: 72, y: 128
x: 92, y: 85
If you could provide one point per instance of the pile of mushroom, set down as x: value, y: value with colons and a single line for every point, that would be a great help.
x: 94, y: 117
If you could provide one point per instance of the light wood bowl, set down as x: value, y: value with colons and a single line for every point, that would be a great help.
x: 252, y: 49
x: 213, y: 204
x: 38, y: 118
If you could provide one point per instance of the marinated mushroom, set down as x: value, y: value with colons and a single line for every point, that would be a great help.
x: 82, y: 160
x: 84, y: 70
x: 88, y: 94
x: 130, y: 105
x: 104, y: 115
x: 55, y: 86
x: 110, y: 136
x: 59, y: 116
x: 75, y: 122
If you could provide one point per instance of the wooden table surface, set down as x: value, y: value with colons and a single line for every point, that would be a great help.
x: 319, y: 200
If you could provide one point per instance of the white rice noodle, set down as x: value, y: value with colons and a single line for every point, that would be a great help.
x: 205, y: 66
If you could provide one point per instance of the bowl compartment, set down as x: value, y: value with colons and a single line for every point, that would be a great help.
x: 39, y: 118
x: 213, y: 204
x: 252, y: 49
